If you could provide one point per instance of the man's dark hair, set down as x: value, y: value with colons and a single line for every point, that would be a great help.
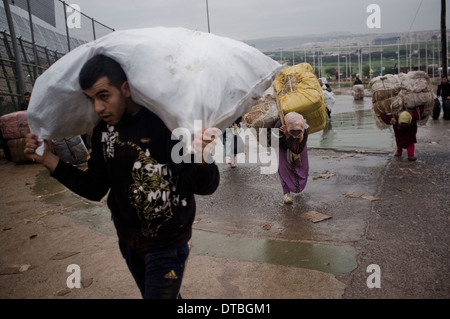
x: 98, y: 67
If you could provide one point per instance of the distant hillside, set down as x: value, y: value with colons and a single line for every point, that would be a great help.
x: 334, y: 39
x: 275, y: 43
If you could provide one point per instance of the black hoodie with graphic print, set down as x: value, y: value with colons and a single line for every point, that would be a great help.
x: 151, y: 198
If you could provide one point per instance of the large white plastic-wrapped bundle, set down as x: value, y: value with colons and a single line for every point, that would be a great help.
x: 329, y: 99
x: 416, y: 90
x: 358, y: 92
x: 181, y: 75
x: 415, y: 81
x: 385, y: 82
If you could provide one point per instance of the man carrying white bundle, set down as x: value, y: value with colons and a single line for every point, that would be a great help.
x: 150, y: 197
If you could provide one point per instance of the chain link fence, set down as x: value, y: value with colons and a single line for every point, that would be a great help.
x: 55, y: 29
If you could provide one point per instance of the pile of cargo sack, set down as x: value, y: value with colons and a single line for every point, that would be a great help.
x: 71, y: 149
x: 405, y: 91
x: 298, y: 90
x: 14, y: 128
x: 358, y: 92
x: 264, y: 114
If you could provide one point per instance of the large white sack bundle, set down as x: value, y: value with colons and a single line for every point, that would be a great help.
x: 181, y: 75
x: 415, y: 81
x: 416, y: 90
x: 385, y: 82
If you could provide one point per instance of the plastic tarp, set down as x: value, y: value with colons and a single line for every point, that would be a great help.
x: 179, y: 74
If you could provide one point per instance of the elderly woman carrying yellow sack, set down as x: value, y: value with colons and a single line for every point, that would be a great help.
x: 293, y: 167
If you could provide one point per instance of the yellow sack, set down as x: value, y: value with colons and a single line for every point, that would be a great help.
x: 299, y: 91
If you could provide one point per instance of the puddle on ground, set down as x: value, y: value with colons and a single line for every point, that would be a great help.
x: 332, y: 259
x: 353, y: 131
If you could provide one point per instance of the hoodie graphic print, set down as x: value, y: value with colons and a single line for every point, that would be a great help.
x: 152, y: 192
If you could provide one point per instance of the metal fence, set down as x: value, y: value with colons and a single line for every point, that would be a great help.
x: 55, y: 29
x: 340, y: 64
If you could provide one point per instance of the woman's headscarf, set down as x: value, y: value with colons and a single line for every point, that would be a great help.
x: 404, y: 117
x: 295, y: 121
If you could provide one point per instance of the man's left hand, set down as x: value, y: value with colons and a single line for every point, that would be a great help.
x: 204, y: 143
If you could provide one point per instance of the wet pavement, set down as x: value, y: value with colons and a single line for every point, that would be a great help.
x: 383, y: 210
x: 352, y: 127
x: 351, y: 167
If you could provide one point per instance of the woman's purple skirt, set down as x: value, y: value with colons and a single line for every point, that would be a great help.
x: 293, y: 178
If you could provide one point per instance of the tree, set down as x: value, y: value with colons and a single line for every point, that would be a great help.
x: 330, y: 71
x: 366, y: 70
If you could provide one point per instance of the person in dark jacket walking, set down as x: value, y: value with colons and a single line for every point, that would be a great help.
x: 151, y: 198
x: 443, y: 91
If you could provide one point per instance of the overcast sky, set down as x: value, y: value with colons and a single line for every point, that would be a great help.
x: 253, y: 19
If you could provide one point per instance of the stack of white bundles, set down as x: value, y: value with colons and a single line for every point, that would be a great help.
x: 181, y: 75
x: 416, y: 91
x: 14, y: 128
x: 393, y: 93
x: 385, y: 90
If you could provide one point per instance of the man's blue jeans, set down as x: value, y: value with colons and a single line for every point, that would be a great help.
x: 158, y: 274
